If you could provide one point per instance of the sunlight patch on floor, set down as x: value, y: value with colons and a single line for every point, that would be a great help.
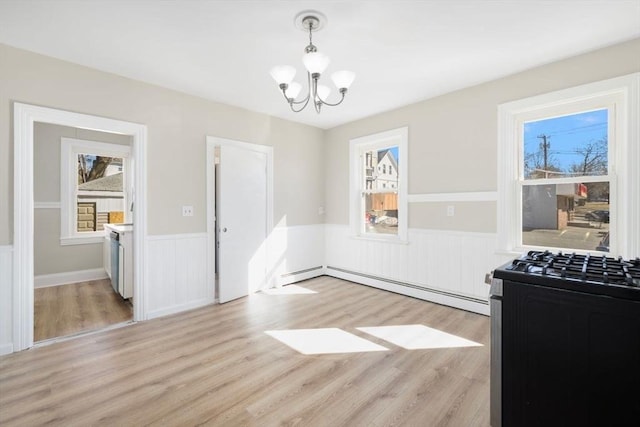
x: 414, y: 337
x: 324, y: 341
x: 289, y: 290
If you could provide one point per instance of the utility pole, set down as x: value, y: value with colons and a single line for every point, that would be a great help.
x: 545, y: 147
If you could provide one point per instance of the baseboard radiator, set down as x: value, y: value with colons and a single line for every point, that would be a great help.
x: 477, y: 305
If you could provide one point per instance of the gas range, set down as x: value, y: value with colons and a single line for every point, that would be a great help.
x: 591, y: 274
x: 564, y: 334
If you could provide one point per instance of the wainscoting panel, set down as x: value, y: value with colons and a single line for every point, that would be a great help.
x: 295, y: 253
x: 177, y: 273
x: 6, y: 299
x: 434, y: 262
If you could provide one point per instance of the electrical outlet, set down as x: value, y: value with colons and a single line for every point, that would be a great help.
x: 451, y: 210
x: 187, y: 211
x: 320, y: 210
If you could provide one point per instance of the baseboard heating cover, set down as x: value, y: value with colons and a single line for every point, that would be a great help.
x: 440, y: 296
x: 307, y: 270
x: 297, y: 276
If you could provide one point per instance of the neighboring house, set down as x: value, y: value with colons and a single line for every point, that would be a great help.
x: 387, y: 170
x: 100, y: 201
x: 550, y: 207
x: 381, y: 172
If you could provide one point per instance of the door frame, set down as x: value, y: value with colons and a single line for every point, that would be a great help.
x: 24, y: 118
x: 212, y: 143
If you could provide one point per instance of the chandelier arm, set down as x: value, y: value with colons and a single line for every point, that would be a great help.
x: 337, y: 103
x: 301, y: 108
x: 306, y: 100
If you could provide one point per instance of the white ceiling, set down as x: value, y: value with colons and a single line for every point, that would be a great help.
x: 401, y: 51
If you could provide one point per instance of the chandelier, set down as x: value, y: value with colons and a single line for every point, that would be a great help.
x: 315, y: 63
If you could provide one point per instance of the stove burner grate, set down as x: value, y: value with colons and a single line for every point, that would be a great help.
x: 598, y: 269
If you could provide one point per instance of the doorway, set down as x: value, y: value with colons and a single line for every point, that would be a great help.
x: 25, y: 117
x: 239, y: 216
x: 82, y: 184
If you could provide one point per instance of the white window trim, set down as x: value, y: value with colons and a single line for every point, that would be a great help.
x: 399, y: 137
x: 624, y: 173
x: 70, y: 148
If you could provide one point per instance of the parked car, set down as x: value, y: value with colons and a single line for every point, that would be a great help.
x: 599, y: 215
x: 603, y: 246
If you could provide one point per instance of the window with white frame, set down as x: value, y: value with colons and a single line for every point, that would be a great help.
x: 94, y: 179
x: 379, y: 185
x: 567, y: 179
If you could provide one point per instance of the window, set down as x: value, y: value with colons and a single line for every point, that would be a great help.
x: 566, y: 170
x: 565, y: 181
x: 378, y: 185
x: 92, y: 193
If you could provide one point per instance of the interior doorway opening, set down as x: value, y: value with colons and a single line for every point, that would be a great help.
x: 25, y: 118
x: 82, y: 188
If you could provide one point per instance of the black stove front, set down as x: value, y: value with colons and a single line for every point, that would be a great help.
x: 569, y: 342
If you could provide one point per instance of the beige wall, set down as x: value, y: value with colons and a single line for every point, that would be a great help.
x: 177, y: 127
x: 453, y: 138
x: 49, y: 256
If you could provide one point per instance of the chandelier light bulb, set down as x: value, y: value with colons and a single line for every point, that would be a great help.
x: 323, y: 92
x: 283, y: 74
x: 343, y: 79
x: 293, y: 90
x: 315, y: 62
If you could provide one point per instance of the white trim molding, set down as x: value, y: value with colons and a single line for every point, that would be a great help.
x: 24, y: 117
x: 474, y: 196
x: 57, y: 279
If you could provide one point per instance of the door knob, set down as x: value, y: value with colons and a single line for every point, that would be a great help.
x: 224, y: 230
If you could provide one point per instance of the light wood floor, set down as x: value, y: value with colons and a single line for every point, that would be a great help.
x: 79, y: 307
x: 216, y: 366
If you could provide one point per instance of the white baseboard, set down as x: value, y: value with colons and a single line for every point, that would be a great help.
x: 57, y: 279
x: 298, y: 276
x: 180, y: 307
x: 432, y: 295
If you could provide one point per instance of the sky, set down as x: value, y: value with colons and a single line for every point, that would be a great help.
x: 567, y: 134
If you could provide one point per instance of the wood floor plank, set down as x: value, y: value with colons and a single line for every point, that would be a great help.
x: 78, y: 307
x: 217, y: 366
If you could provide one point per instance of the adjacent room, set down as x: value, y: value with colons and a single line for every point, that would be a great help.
x: 272, y: 213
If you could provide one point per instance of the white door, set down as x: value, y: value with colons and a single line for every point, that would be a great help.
x: 242, y: 221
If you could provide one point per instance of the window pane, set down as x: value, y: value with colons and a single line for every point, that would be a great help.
x: 381, y: 213
x: 574, y: 145
x: 381, y: 168
x: 381, y: 173
x: 100, y: 196
x: 570, y: 216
